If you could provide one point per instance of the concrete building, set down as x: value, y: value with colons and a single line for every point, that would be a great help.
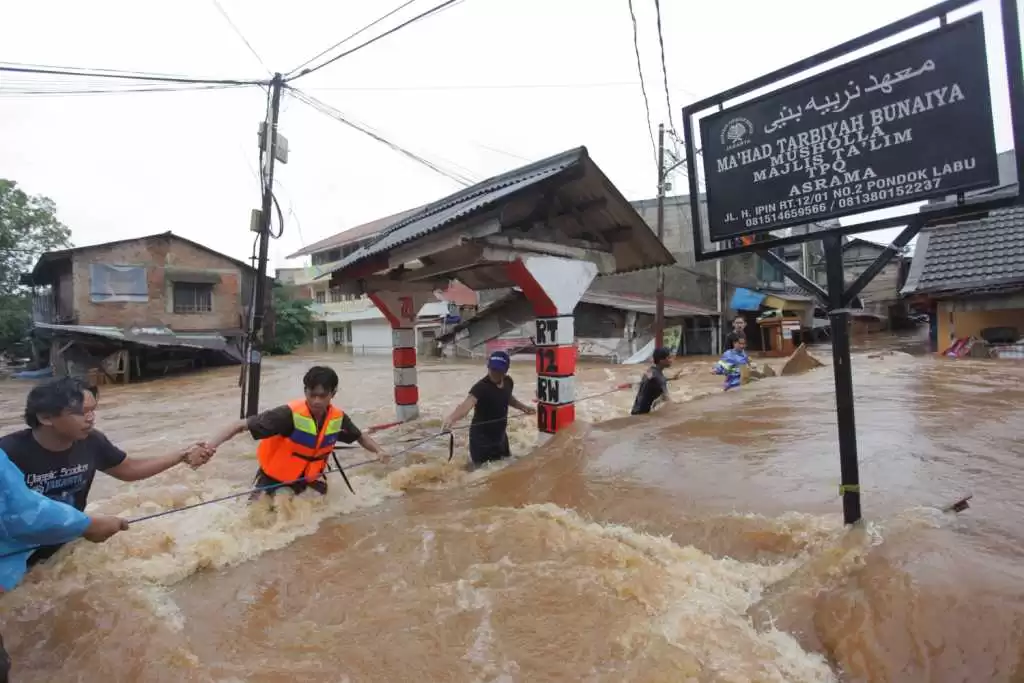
x: 969, y: 277
x: 353, y: 323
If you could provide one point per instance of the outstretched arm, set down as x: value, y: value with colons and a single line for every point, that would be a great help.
x: 519, y: 405
x: 461, y: 411
x: 229, y: 432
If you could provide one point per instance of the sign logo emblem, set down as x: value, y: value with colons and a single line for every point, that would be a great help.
x: 406, y: 308
x: 736, y: 133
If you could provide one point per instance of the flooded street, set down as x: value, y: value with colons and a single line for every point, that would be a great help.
x: 703, y: 543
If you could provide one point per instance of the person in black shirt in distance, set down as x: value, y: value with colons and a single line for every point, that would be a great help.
x: 654, y: 384
x: 489, y: 399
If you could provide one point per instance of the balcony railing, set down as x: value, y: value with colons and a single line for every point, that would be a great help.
x: 45, y: 309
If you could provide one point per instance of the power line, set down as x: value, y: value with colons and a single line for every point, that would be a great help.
x: 643, y: 88
x: 239, y: 33
x: 664, y: 69
x: 122, y: 75
x: 11, y: 93
x: 480, y: 86
x: 350, y: 37
x: 422, y: 15
x: 330, y: 111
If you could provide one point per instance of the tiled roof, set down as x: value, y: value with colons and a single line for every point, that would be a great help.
x: 978, y: 254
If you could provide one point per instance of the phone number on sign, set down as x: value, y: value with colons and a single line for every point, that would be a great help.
x: 772, y: 217
x: 908, y: 190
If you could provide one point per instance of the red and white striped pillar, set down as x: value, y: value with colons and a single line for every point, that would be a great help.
x: 554, y: 286
x: 401, y: 310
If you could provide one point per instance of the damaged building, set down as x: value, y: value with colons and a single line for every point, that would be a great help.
x: 136, y: 308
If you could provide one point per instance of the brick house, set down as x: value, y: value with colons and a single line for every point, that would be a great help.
x: 159, y: 291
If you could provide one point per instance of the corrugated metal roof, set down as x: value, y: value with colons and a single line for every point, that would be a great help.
x: 969, y: 255
x: 364, y: 231
x: 60, y: 254
x: 152, y: 336
x: 488, y: 194
x: 464, y: 203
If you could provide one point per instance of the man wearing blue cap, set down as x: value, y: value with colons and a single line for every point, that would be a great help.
x: 489, y: 400
x: 654, y: 385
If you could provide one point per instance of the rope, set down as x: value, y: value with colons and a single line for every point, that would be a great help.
x: 329, y: 470
x: 261, y: 489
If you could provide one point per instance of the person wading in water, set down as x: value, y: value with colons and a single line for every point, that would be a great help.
x: 60, y: 451
x: 489, y: 400
x: 654, y: 384
x: 297, y: 439
x: 29, y: 519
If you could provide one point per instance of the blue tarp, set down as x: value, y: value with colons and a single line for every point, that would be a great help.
x: 746, y: 300
x: 29, y: 519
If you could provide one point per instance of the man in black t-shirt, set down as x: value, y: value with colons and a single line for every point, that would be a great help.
x: 654, y: 384
x: 489, y: 400
x: 60, y: 451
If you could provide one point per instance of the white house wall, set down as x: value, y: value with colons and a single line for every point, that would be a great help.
x: 371, y: 337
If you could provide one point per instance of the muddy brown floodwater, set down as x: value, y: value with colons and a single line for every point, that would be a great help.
x: 703, y: 543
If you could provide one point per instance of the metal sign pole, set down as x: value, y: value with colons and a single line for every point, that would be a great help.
x: 841, y: 367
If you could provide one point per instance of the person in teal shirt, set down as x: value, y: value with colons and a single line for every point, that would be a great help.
x: 28, y: 519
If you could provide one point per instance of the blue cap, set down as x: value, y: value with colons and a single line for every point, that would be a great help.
x: 499, y: 361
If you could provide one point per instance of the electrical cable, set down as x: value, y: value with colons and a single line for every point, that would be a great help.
x: 423, y: 15
x: 241, y: 35
x: 643, y: 87
x: 13, y: 93
x: 349, y: 37
x: 9, y: 67
x: 330, y: 111
x: 664, y: 69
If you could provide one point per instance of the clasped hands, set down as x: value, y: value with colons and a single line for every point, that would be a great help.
x: 198, y: 454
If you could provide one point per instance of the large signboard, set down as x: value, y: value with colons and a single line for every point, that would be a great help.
x: 902, y: 125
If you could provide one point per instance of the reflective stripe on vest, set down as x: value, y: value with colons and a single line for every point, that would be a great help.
x: 303, y: 454
x: 726, y: 367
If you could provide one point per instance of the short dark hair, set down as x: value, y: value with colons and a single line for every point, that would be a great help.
x: 321, y: 376
x: 661, y: 354
x: 54, y: 396
x: 734, y: 337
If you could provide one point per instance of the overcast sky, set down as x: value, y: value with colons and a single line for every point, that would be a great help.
x: 482, y: 87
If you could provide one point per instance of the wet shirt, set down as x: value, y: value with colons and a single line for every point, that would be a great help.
x: 64, y: 476
x: 278, y: 422
x: 491, y: 408
x: 652, y: 386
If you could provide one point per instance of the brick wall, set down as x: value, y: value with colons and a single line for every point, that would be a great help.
x: 157, y: 255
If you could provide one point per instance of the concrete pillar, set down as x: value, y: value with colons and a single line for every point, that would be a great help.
x: 401, y: 310
x: 554, y: 286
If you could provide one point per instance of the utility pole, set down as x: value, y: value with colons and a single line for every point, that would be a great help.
x: 268, y: 140
x: 659, y: 311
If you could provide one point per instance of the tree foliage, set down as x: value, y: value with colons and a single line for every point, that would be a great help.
x: 293, y: 322
x: 28, y: 227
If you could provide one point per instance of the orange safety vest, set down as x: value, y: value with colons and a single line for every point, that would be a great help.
x: 304, y: 453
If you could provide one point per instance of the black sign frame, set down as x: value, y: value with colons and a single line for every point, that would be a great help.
x: 760, y: 241
x: 853, y: 141
x: 839, y: 296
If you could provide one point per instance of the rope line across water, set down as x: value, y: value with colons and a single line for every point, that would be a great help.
x: 329, y: 470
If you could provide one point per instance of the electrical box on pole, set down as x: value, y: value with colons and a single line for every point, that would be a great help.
x: 272, y: 150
